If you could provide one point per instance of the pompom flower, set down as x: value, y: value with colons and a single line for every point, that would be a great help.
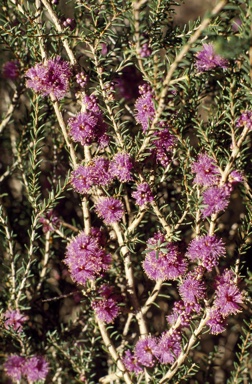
x: 50, y: 78
x: 82, y: 179
x: 14, y: 319
x: 207, y: 250
x: 85, y: 258
x: 215, y: 200
x: 143, y: 194
x: 121, y: 166
x: 168, y: 347
x: 106, y: 307
x: 35, y: 368
x: 14, y: 366
x: 164, y: 144
x: 207, y: 59
x: 207, y: 173
x: 163, y: 261
x: 145, y: 109
x: 96, y: 173
x: 245, y: 120
x: 216, y: 322
x: 144, y: 351
x: 83, y: 128
x: 191, y: 290
x: 110, y: 209
x: 228, y: 299
x: 131, y: 362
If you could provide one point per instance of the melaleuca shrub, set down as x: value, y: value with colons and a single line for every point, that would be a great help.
x: 125, y: 192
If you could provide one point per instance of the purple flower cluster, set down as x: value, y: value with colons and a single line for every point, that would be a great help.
x: 145, y: 109
x: 164, y: 144
x: 143, y: 194
x: 110, y: 209
x: 88, y: 127
x: 50, y: 78
x: 131, y: 362
x: 145, y: 351
x: 150, y: 350
x: 105, y: 306
x: 207, y: 172
x: 207, y: 250
x: 168, y: 347
x: 163, y: 260
x: 207, y: 59
x: 226, y: 302
x: 121, y: 166
x: 191, y: 289
x: 245, y: 120
x: 215, y: 199
x: 96, y: 173
x: 184, y: 311
x: 33, y: 369
x: 86, y: 258
x: 10, y: 70
x: 100, y: 172
x: 14, y: 319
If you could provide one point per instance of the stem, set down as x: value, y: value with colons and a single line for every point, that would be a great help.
x: 130, y: 280
x: 173, y: 67
x: 46, y: 258
x: 226, y: 172
x: 60, y: 30
x: 183, y: 355
x: 109, y: 345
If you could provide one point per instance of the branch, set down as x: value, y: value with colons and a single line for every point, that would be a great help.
x: 173, y: 67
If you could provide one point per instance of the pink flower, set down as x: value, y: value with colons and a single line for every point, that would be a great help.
x: 216, y: 322
x: 83, y: 128
x: 145, y: 50
x: 35, y: 368
x: 143, y: 194
x: 164, y: 144
x: 50, y: 78
x: 14, y: 366
x: 168, y: 347
x: 121, y: 166
x: 245, y: 120
x: 207, y: 250
x: 145, y: 109
x: 144, y: 351
x: 131, y: 362
x: 96, y: 173
x: 163, y: 260
x: 106, y: 307
x: 207, y: 59
x: 215, y: 200
x: 191, y: 289
x: 85, y: 258
x: 206, y: 170
x: 14, y: 319
x: 110, y: 209
x: 228, y: 299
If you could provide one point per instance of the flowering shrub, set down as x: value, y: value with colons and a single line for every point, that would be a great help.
x: 126, y: 192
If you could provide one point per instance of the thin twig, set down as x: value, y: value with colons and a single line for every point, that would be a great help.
x: 173, y: 67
